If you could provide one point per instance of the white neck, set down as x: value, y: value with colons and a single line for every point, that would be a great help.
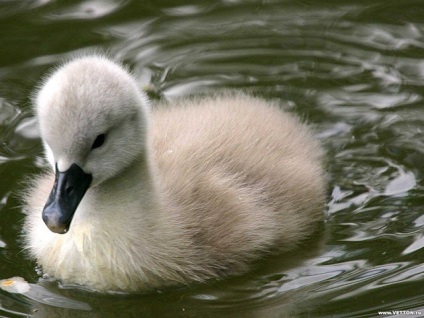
x: 134, y: 197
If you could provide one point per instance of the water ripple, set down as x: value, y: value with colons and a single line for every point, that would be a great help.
x: 91, y: 9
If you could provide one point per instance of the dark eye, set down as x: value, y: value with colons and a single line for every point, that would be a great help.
x: 100, y: 140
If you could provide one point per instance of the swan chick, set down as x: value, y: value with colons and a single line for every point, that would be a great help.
x: 140, y: 198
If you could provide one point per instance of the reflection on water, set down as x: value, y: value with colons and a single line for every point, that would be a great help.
x: 352, y: 69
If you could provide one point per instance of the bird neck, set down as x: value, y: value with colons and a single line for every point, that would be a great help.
x: 132, y: 191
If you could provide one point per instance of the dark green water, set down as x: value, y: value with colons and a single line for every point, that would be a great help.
x: 353, y: 69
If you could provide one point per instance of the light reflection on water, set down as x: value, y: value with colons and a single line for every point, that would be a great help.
x: 352, y: 70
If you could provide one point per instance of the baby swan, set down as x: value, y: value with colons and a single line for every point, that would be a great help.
x: 141, y: 198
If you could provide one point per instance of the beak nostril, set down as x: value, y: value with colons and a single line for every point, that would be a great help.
x: 69, y: 190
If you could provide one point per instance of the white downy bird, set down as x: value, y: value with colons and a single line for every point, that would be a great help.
x: 143, y: 198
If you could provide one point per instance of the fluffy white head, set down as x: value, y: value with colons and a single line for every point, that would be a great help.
x: 86, y: 99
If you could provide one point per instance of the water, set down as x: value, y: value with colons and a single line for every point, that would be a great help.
x: 352, y: 69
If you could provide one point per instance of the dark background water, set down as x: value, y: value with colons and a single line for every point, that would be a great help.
x: 353, y: 69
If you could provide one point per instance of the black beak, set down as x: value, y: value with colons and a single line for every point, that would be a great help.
x: 68, y: 190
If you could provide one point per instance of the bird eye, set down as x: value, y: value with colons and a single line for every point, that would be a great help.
x: 100, y: 140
